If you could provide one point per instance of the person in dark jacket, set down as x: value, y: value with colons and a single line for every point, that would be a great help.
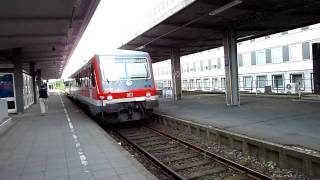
x: 43, y: 98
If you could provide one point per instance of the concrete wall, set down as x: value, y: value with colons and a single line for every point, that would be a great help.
x: 3, y: 109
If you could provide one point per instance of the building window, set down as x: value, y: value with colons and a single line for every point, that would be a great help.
x: 277, y: 82
x: 209, y: 64
x: 206, y: 83
x: 261, y: 57
x: 193, y: 67
x: 219, y: 63
x: 206, y: 65
x: 295, y: 52
x: 198, y: 83
x: 262, y: 81
x: 201, y: 66
x: 246, y: 59
x: 214, y: 83
x: 223, y: 83
x: 276, y: 55
x: 185, y: 84
x: 214, y: 64
x: 247, y: 82
x: 306, y: 50
x: 198, y: 66
x: 191, y: 84
x: 298, y: 80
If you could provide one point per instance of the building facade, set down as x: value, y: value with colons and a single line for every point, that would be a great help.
x: 279, y: 63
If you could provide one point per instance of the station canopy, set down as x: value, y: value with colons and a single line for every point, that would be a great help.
x: 200, y: 25
x: 46, y: 31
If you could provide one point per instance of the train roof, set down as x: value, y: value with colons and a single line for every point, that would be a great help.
x: 119, y: 52
x: 116, y: 52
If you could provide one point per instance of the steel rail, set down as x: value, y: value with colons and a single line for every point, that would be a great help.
x: 233, y: 165
x: 166, y: 168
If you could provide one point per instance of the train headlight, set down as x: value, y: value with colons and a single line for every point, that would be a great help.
x: 109, y: 97
x: 101, y: 97
x: 148, y: 94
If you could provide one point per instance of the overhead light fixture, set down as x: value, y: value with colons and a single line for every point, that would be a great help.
x: 140, y: 47
x: 245, y: 37
x: 225, y: 7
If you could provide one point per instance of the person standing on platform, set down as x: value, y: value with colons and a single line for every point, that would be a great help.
x: 43, y: 98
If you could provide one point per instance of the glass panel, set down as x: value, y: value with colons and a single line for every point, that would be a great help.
x: 114, y: 69
x: 198, y: 82
x: 276, y: 55
x: 247, y: 82
x: 261, y: 57
x: 262, y: 81
x: 246, y: 59
x: 278, y: 81
x: 297, y: 78
x: 295, y: 52
x: 223, y: 83
x: 191, y: 83
x: 215, y: 83
x: 206, y: 83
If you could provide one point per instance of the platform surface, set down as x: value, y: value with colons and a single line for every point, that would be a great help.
x: 63, y: 145
x: 278, y: 120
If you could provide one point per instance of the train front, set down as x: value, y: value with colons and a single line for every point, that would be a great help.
x: 128, y: 86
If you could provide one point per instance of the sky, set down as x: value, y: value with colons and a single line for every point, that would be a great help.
x: 112, y: 23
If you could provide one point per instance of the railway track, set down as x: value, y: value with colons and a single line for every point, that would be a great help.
x: 182, y: 160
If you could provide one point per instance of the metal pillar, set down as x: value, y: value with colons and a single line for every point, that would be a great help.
x: 33, y: 79
x: 18, y: 79
x: 316, y: 67
x: 176, y: 74
x: 231, y: 68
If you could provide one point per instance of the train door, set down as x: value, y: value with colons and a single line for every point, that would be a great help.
x: 7, y: 91
x: 90, y: 79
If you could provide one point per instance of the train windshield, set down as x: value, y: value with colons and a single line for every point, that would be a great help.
x: 115, y: 69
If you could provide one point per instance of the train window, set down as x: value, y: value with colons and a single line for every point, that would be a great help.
x: 93, y: 82
x: 126, y: 68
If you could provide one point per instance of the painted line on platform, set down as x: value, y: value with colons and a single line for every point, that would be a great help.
x: 82, y: 156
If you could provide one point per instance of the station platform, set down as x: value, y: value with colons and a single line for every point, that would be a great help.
x: 65, y: 144
x: 285, y: 121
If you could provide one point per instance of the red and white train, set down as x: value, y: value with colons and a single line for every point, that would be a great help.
x: 120, y: 83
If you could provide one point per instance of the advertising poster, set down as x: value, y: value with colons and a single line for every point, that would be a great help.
x: 6, y: 86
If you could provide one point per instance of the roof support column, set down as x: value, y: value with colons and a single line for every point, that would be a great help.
x: 39, y: 80
x: 18, y: 79
x: 231, y: 68
x: 176, y: 74
x: 316, y: 67
x: 33, y: 79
